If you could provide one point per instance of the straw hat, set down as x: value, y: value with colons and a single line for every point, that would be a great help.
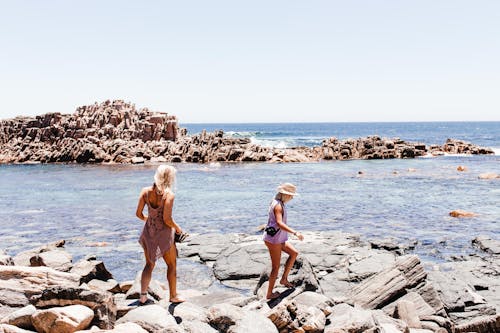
x: 287, y: 188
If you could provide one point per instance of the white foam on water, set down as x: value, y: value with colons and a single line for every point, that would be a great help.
x: 31, y: 211
x: 496, y: 150
x: 269, y: 143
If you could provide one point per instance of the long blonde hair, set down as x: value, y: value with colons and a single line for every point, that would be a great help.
x: 165, y: 178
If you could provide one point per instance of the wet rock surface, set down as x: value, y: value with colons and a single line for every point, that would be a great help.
x: 342, y: 284
x: 116, y: 132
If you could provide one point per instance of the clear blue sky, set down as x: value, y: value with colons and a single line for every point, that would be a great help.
x: 255, y: 61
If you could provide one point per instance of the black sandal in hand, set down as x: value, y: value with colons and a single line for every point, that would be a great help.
x: 181, y: 237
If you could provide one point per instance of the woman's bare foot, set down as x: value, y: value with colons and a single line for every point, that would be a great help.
x: 273, y: 295
x: 177, y: 299
x: 143, y: 298
x: 287, y: 283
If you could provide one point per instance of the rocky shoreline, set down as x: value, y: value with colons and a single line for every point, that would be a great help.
x: 343, y: 284
x: 116, y: 132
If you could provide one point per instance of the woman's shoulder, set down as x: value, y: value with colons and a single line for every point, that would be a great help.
x: 146, y: 189
x: 169, y: 195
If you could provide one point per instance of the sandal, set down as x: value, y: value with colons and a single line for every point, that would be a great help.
x: 148, y: 302
x: 273, y: 296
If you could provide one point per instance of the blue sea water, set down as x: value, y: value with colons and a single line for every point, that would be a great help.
x: 312, y: 134
x: 409, y: 200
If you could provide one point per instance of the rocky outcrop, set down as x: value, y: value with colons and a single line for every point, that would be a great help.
x: 94, y: 133
x: 342, y: 284
x: 116, y: 132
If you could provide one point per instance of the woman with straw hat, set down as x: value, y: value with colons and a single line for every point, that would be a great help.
x: 276, y: 236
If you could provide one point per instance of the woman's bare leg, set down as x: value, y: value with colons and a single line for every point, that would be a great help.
x: 292, y: 255
x: 170, y: 258
x: 275, y: 253
x: 146, y: 277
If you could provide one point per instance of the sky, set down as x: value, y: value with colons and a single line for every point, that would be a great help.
x: 255, y: 61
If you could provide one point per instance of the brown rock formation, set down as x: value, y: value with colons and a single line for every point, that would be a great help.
x: 115, y: 132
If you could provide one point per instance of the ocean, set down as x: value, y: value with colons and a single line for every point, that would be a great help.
x: 93, y: 207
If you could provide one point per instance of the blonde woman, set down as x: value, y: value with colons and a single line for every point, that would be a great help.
x: 276, y: 236
x: 157, y: 238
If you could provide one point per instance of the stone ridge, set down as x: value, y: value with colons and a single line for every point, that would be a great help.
x: 116, y: 132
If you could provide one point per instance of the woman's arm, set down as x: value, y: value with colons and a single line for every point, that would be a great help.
x: 140, y: 206
x: 167, y: 213
x: 278, y: 212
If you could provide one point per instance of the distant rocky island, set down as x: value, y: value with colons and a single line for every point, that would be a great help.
x: 117, y: 132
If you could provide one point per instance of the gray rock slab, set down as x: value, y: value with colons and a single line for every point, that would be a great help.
x: 388, y: 285
x: 335, y: 288
x: 153, y: 318
x: 211, y: 299
x: 487, y: 244
x: 187, y: 312
x: 241, y: 262
x: 206, y: 246
x: 372, y: 264
x: 421, y: 307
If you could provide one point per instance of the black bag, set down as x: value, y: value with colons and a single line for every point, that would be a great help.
x: 179, y: 238
x: 271, y: 231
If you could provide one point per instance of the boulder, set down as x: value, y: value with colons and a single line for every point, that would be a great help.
x: 120, y: 328
x: 5, y: 260
x: 484, y: 324
x: 111, y: 285
x: 197, y: 327
x: 23, y: 258
x: 57, y: 259
x: 66, y: 319
x: 346, y: 318
x: 407, y: 311
x: 6, y: 328
x: 461, y: 213
x: 312, y: 299
x: 489, y: 175
x: 34, y: 280
x: 12, y: 298
x: 20, y: 318
x: 91, y: 269
x: 102, y: 303
x: 230, y: 318
x: 153, y: 318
